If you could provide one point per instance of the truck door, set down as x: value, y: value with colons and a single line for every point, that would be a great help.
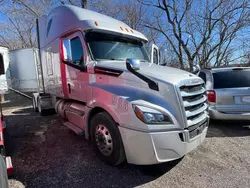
x: 155, y: 55
x: 74, y: 75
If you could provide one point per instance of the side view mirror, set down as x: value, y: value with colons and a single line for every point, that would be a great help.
x: 66, y: 50
x: 1, y: 65
x: 196, y: 69
x: 133, y: 64
x: 155, y: 55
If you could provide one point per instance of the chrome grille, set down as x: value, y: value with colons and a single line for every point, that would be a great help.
x: 194, y: 101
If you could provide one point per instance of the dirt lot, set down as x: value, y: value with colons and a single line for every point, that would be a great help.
x: 46, y: 154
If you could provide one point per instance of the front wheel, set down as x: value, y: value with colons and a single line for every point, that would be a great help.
x: 106, y: 139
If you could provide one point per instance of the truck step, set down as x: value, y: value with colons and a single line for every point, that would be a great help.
x: 74, y: 128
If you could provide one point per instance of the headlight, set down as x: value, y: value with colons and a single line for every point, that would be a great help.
x: 151, y: 116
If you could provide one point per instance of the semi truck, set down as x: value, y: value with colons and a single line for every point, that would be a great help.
x: 100, y: 80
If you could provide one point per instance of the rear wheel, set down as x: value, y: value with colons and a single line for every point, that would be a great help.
x: 106, y: 139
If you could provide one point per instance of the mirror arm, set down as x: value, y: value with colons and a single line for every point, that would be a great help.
x: 70, y: 63
x: 151, y: 84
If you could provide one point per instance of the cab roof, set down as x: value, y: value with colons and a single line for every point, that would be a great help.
x: 64, y: 18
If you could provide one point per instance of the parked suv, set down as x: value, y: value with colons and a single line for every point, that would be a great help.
x: 228, y: 92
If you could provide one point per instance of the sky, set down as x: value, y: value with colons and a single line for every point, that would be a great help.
x: 2, y: 17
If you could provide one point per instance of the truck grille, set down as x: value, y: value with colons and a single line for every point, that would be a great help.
x: 195, y: 102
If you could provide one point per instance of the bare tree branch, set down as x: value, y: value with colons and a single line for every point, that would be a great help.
x: 199, y: 34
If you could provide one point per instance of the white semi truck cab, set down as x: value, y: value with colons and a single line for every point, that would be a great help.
x: 100, y: 80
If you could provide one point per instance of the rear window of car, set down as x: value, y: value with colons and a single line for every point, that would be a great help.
x: 231, y: 79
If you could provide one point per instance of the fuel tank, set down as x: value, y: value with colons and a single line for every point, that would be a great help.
x: 71, y: 111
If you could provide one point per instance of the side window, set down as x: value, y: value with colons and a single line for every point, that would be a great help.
x: 77, y: 51
x: 48, y: 27
x: 155, y: 57
x: 203, y: 76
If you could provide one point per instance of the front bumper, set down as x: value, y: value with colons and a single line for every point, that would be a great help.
x: 215, y: 114
x: 143, y: 148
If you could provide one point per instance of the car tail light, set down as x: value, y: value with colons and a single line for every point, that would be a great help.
x: 211, y: 96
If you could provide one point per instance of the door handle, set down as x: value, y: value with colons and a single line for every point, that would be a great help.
x: 69, y: 88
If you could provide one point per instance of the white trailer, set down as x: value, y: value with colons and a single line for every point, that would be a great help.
x: 5, y: 74
x: 24, y: 67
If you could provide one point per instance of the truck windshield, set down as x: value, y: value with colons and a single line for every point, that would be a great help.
x: 232, y: 79
x: 110, y: 47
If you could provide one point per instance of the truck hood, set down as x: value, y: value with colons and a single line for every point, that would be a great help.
x: 167, y: 79
x: 160, y: 73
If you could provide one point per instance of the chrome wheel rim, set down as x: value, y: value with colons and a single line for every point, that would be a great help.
x: 103, y: 140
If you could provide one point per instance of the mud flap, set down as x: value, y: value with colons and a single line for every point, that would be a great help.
x: 9, y: 165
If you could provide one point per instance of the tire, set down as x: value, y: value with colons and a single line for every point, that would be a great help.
x: 116, y: 154
x: 3, y: 174
x: 34, y: 104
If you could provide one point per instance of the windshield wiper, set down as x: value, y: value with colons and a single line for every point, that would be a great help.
x: 118, y: 59
x: 106, y: 59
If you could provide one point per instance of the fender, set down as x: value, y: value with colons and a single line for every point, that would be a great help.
x: 105, y: 107
x: 117, y: 100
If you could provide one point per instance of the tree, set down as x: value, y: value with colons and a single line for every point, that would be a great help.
x: 199, y: 31
x: 18, y: 30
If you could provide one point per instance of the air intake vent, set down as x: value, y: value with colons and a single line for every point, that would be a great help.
x: 195, y: 102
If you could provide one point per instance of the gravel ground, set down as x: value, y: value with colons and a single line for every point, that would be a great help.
x: 47, y: 154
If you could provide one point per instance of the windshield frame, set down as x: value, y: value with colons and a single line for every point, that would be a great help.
x: 119, y: 38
